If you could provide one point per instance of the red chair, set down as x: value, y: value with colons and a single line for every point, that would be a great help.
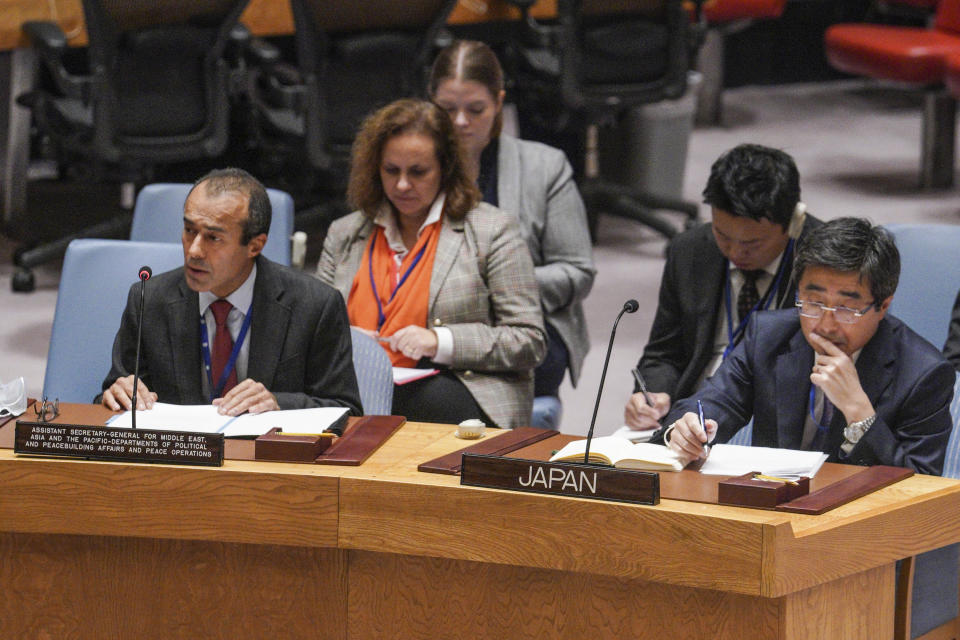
x: 952, y: 75
x: 915, y: 56
x: 724, y: 17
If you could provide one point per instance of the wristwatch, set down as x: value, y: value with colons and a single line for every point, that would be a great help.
x: 855, y: 430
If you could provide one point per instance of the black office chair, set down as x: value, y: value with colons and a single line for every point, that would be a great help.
x: 600, y: 59
x: 351, y: 58
x: 156, y: 91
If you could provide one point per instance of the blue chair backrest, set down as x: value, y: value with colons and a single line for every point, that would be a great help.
x: 374, y: 374
x: 158, y: 217
x: 951, y: 465
x: 547, y: 412
x: 935, y: 574
x: 93, y: 292
x: 929, y: 277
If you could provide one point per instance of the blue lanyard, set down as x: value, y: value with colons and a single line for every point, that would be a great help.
x: 820, y: 427
x: 733, y: 335
x: 217, y: 391
x: 373, y: 283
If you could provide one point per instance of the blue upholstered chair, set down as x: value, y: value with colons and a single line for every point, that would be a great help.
x: 547, y: 412
x: 158, y: 217
x: 936, y: 579
x: 374, y: 374
x: 93, y: 292
x: 929, y: 279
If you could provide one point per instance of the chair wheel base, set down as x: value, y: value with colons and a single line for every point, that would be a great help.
x: 22, y: 280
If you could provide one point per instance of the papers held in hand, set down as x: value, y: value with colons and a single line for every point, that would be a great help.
x: 403, y: 375
x: 621, y: 453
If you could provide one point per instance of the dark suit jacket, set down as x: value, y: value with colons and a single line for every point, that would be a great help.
x: 689, y: 308
x: 951, y: 348
x: 300, y: 345
x: 767, y: 376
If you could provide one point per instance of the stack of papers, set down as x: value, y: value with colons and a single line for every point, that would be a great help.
x: 736, y: 460
x: 203, y: 418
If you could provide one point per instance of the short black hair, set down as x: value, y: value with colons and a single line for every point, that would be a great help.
x: 852, y: 245
x: 259, y: 211
x: 755, y: 182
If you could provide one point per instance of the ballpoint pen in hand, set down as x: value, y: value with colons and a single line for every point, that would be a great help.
x: 642, y: 384
x: 703, y: 425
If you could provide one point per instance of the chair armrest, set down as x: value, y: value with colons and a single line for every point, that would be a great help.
x: 46, y: 36
x: 262, y: 53
x: 280, y: 84
x: 51, y: 43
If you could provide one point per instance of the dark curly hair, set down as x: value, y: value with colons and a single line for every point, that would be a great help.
x: 409, y: 115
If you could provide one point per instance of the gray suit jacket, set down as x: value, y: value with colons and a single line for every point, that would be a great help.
x: 483, y: 289
x: 535, y: 182
x: 300, y: 345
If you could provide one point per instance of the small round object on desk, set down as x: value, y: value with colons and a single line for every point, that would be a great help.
x: 470, y: 429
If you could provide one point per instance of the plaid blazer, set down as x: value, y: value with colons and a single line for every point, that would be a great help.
x: 483, y: 289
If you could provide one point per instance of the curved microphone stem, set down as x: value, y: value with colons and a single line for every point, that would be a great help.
x: 628, y: 307
x: 136, y: 366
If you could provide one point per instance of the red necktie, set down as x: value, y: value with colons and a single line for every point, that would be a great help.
x: 222, y: 346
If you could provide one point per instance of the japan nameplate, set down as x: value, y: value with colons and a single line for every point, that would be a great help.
x: 561, y: 478
x: 111, y: 443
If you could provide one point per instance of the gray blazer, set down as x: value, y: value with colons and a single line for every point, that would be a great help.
x: 300, y: 346
x: 535, y: 182
x: 483, y: 289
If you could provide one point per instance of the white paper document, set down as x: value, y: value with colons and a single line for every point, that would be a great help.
x: 203, y: 418
x: 403, y: 375
x: 736, y: 460
x: 634, y: 435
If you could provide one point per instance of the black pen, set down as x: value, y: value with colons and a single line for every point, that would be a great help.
x: 643, y: 385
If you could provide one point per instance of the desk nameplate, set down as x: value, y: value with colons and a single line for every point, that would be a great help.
x: 125, y: 445
x: 561, y: 479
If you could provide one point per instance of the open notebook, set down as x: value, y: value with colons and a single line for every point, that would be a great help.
x: 203, y: 418
x: 621, y: 453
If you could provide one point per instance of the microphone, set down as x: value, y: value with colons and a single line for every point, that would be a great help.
x: 144, y: 275
x: 630, y: 306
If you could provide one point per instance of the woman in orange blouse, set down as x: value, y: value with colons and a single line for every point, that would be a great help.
x: 441, y: 279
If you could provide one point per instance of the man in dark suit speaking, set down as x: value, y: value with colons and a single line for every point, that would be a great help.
x: 836, y: 374
x: 231, y: 327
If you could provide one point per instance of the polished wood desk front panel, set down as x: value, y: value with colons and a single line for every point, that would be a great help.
x: 381, y: 550
x: 263, y: 17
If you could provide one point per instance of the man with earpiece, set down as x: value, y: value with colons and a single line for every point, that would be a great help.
x: 836, y: 374
x: 720, y: 273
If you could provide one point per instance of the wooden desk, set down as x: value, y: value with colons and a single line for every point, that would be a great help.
x: 93, y: 549
x: 263, y: 17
